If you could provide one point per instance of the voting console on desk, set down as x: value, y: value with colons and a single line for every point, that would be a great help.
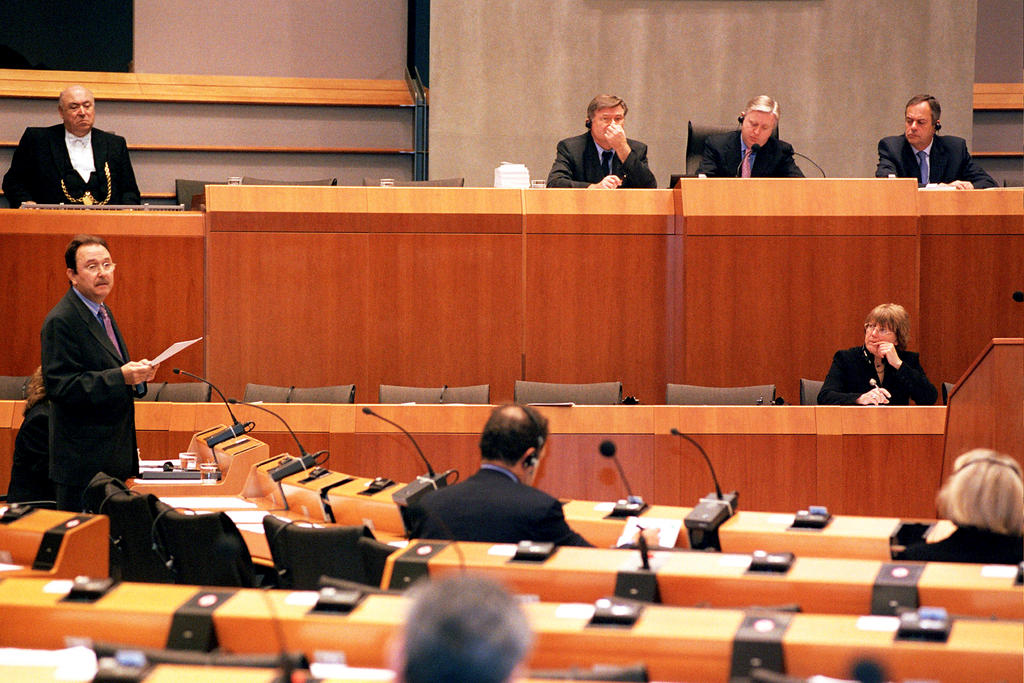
x: 55, y: 543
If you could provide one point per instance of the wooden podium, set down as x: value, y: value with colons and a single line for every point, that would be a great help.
x: 986, y: 407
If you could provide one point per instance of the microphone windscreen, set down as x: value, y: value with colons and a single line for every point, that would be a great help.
x: 755, y: 148
x: 367, y: 411
x: 1018, y: 296
x: 176, y: 371
x: 607, y: 449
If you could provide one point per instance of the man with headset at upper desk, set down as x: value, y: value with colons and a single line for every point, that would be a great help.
x: 751, y: 151
x: 499, y: 504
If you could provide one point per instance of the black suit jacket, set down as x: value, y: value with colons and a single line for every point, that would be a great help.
x: 30, y: 479
x: 969, y: 544
x: 92, y: 418
x: 722, y: 157
x: 577, y: 164
x: 853, y: 369
x: 41, y: 161
x: 491, y: 507
x: 949, y: 161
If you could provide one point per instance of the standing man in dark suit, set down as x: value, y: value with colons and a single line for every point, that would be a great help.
x: 751, y: 151
x: 498, y: 504
x: 920, y: 153
x: 89, y: 378
x: 72, y: 163
x: 603, y: 157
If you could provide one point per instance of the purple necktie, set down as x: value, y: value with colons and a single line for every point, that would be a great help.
x: 747, y: 164
x: 109, y: 328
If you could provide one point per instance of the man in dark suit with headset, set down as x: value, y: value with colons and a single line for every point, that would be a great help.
x: 72, y: 163
x: 89, y: 378
x: 498, y: 504
x: 603, y: 157
x: 751, y: 151
x: 931, y: 159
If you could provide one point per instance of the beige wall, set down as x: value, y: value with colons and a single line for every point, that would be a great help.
x: 508, y: 80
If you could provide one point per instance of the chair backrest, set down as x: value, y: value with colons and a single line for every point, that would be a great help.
x: 248, y: 180
x: 809, y: 390
x: 436, y: 182
x: 693, y: 395
x: 153, y: 390
x: 947, y: 389
x: 185, y: 392
x: 341, y: 393
x: 302, y: 554
x: 203, y: 549
x: 132, y: 556
x: 186, y: 190
x: 695, y: 137
x: 13, y: 388
x: 598, y: 393
x: 392, y: 393
x: 267, y: 393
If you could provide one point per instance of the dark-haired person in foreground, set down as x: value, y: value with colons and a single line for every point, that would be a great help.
x: 71, y: 163
x: 89, y: 377
x: 881, y: 371
x: 920, y: 153
x: 602, y: 158
x: 728, y: 155
x: 30, y: 480
x: 461, y: 629
x: 499, y: 504
x: 984, y: 497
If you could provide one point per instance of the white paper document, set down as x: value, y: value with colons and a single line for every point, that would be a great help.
x: 173, y: 349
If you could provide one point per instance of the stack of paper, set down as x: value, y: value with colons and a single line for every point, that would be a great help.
x: 516, y: 176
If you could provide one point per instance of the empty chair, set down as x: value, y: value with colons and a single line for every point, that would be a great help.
x: 436, y: 182
x: 598, y: 393
x: 809, y: 389
x: 132, y: 556
x: 184, y: 392
x: 341, y: 393
x: 248, y: 180
x: 203, y: 549
x: 947, y: 389
x: 266, y: 393
x: 303, y: 553
x: 391, y: 393
x: 13, y: 388
x: 188, y: 191
x: 692, y: 395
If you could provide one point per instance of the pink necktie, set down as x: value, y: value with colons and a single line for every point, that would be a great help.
x: 746, y: 164
x: 109, y: 328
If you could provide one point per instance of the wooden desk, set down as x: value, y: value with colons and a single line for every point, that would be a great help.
x: 676, y: 643
x: 817, y: 585
x: 80, y: 544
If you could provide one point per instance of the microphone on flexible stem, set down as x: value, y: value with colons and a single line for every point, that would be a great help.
x: 703, y: 521
x: 633, y: 505
x: 410, y: 493
x: 444, y: 390
x: 1018, y: 296
x: 236, y: 429
x: 752, y: 150
x: 288, y: 466
x: 798, y: 154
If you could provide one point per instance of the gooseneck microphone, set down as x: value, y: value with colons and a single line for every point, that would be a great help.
x: 633, y: 505
x: 752, y: 150
x: 703, y: 521
x: 820, y: 169
x: 288, y: 466
x: 236, y: 429
x: 409, y: 494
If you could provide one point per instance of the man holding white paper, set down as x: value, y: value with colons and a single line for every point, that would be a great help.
x: 90, y: 378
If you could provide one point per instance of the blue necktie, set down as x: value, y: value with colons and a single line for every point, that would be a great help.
x: 606, y: 161
x: 922, y: 161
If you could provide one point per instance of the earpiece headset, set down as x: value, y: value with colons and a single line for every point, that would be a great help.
x: 532, y: 460
x: 992, y: 461
x: 938, y: 126
x: 587, y: 123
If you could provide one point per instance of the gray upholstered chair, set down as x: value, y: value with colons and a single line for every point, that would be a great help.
x: 809, y: 390
x: 267, y: 393
x: 12, y: 388
x: 436, y: 182
x: 692, y: 395
x: 186, y: 190
x: 341, y: 393
x: 249, y: 180
x: 184, y: 392
x: 598, y: 393
x: 947, y: 389
x: 391, y: 393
